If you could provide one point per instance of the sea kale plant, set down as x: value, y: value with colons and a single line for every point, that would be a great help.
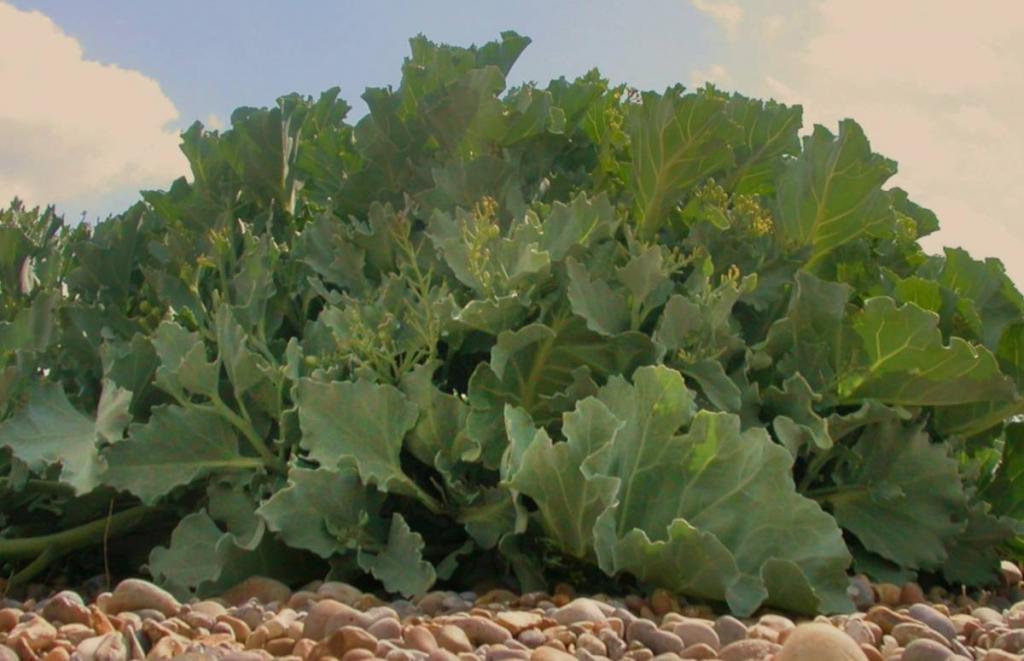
x: 572, y: 332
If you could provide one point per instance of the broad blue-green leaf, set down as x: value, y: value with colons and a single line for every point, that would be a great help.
x: 183, y: 365
x: 716, y: 471
x: 400, y: 566
x: 604, y: 309
x: 174, y: 448
x: 361, y: 422
x: 897, y: 355
x: 584, y: 221
x: 796, y: 423
x: 48, y: 430
x: 33, y: 327
x: 770, y: 131
x: 832, y: 193
x: 439, y: 438
x: 535, y: 366
x: 900, y: 480
x: 676, y: 140
x: 325, y: 511
x: 715, y: 384
x: 568, y: 502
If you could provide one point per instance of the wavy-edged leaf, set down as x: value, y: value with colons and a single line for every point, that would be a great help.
x: 676, y: 140
x: 400, y: 566
x: 174, y: 448
x: 716, y: 470
x: 832, y: 193
x: 324, y: 511
x: 361, y: 422
x: 48, y: 430
x: 900, y: 480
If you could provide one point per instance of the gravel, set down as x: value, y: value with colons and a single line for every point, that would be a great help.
x: 262, y: 619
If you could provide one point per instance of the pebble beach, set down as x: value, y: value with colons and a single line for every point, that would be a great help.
x: 323, y: 621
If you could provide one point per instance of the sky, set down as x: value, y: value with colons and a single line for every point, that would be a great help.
x: 97, y: 92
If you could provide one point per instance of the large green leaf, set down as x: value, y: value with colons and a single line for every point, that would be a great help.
x: 361, y: 422
x: 897, y: 355
x: 897, y: 479
x: 325, y: 511
x: 677, y: 140
x: 568, y: 502
x: 721, y: 471
x: 48, y: 430
x: 176, y: 447
x: 400, y: 566
x: 832, y: 193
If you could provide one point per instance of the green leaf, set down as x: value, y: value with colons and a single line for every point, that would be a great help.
x: 183, y: 365
x: 897, y: 355
x: 361, y: 422
x: 48, y: 430
x: 550, y: 473
x: 900, y: 480
x: 176, y: 447
x: 400, y: 566
x: 770, y: 131
x: 721, y: 471
x: 677, y: 140
x: 796, y: 423
x: 324, y: 511
x: 832, y: 193
x: 604, y: 309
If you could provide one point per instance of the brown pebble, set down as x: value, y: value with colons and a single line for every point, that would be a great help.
x: 819, y: 642
x: 1011, y: 573
x: 453, y: 639
x: 7, y: 654
x: 517, y: 621
x: 729, y: 629
x: 872, y: 653
x: 280, y: 646
x: 66, y: 607
x: 134, y: 594
x: 327, y: 615
x: 887, y: 594
x: 57, y: 654
x: 35, y: 632
x: 699, y: 651
x: 693, y: 632
x: 742, y: 650
x: 441, y: 654
x: 925, y: 650
x: 1000, y: 655
x: 497, y: 596
x: 343, y: 640
x: 303, y: 647
x: 908, y: 632
x: 482, y: 631
x: 886, y: 618
x: 386, y: 628
x: 546, y: 653
x: 418, y: 637
x: 911, y: 593
x: 8, y: 619
x: 1011, y: 641
x: 261, y: 588
x: 579, y: 610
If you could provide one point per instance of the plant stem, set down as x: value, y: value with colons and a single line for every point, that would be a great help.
x: 77, y: 537
x: 241, y: 424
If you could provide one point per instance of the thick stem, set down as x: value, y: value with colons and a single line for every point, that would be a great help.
x: 77, y: 537
x: 241, y: 424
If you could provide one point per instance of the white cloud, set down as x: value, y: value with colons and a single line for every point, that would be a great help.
x: 73, y: 131
x: 728, y: 15
x: 936, y: 88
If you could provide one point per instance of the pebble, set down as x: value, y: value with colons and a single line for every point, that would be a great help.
x: 926, y: 650
x: 1011, y: 572
x: 133, y: 594
x: 261, y: 619
x: 262, y: 589
x: 819, y: 642
x: 934, y: 619
x: 578, y: 610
